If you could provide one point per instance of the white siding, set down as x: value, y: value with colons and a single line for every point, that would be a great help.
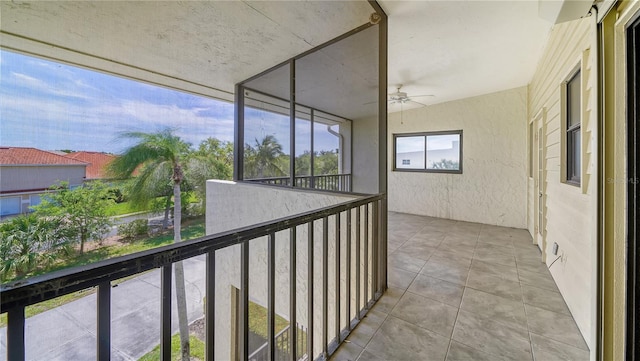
x: 25, y: 178
x: 570, y: 211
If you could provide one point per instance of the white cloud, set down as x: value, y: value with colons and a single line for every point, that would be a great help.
x: 101, y: 121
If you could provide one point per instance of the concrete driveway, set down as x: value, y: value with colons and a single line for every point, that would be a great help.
x: 68, y: 332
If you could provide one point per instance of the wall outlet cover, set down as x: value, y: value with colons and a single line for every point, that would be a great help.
x: 555, y: 249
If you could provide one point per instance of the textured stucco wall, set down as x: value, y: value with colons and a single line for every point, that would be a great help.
x: 493, y: 186
x: 365, y: 155
x: 231, y: 205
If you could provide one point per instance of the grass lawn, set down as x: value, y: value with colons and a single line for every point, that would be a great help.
x: 258, y: 320
x: 119, y: 209
x: 197, y: 350
x: 190, y: 230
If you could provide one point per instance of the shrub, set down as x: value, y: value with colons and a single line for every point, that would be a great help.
x: 135, y: 228
x: 82, y: 213
x: 116, y: 194
x: 27, y: 242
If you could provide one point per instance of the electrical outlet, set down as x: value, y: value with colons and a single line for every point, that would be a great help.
x: 554, y: 250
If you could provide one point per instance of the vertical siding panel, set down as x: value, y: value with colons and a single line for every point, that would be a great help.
x: 568, y: 208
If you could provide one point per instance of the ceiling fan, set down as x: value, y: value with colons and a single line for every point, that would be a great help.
x: 400, y: 97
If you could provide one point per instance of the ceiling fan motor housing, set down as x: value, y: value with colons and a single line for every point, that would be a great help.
x: 399, y: 96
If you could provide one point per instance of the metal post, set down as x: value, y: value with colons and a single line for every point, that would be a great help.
x: 293, y: 329
x: 104, y: 321
x: 337, y: 278
x: 292, y: 122
x: 310, y: 292
x: 325, y: 285
x: 165, y: 313
x: 15, y: 334
x: 210, y: 305
x: 311, y: 156
x: 358, y: 231
x: 383, y: 241
x: 271, y: 302
x: 238, y: 134
x: 366, y: 256
x: 375, y: 252
x: 244, y: 301
x: 348, y: 270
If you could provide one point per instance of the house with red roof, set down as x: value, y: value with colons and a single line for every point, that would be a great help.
x: 27, y: 173
x: 97, y: 163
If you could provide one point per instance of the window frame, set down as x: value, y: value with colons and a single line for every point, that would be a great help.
x: 573, y: 172
x: 427, y: 135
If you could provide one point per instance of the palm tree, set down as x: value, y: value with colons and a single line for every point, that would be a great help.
x: 212, y: 160
x: 265, y: 157
x: 158, y: 155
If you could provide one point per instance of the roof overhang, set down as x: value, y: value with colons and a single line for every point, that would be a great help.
x: 202, y: 47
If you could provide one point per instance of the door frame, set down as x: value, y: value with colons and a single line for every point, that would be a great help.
x: 633, y: 190
x: 538, y: 153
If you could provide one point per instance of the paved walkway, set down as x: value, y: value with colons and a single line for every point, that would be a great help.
x: 68, y: 332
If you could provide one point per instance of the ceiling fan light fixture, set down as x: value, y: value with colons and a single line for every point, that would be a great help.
x: 399, y: 96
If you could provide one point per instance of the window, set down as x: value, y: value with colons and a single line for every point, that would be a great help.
x: 438, y: 152
x: 573, y: 141
x: 10, y: 205
x: 34, y: 200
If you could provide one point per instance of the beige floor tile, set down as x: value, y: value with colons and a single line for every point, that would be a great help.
x: 426, y: 313
x: 545, y: 349
x: 556, y: 326
x: 493, y: 307
x: 492, y: 337
x: 496, y: 270
x: 400, y: 340
x: 436, y: 289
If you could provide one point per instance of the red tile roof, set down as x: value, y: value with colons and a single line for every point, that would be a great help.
x: 97, y: 163
x: 33, y: 156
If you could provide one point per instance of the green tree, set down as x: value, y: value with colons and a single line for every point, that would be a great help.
x: 445, y: 164
x: 26, y: 242
x: 303, y: 164
x: 82, y: 213
x: 326, y: 162
x: 160, y: 154
x: 212, y: 160
x: 263, y: 160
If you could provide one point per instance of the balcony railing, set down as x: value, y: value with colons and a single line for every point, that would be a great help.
x: 357, y: 268
x: 283, y: 342
x: 329, y: 182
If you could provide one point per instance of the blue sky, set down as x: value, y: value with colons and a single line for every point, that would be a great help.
x: 52, y: 106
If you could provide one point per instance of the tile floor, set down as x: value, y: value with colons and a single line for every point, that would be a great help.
x: 464, y: 291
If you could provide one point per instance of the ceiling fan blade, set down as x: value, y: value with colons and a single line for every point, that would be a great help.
x: 413, y: 101
x: 375, y: 101
x: 426, y: 95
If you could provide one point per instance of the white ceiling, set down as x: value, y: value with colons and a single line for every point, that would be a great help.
x: 212, y: 43
x: 460, y: 49
x: 452, y: 49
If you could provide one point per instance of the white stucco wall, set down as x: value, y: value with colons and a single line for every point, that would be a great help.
x: 365, y: 155
x: 232, y: 205
x: 493, y: 186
